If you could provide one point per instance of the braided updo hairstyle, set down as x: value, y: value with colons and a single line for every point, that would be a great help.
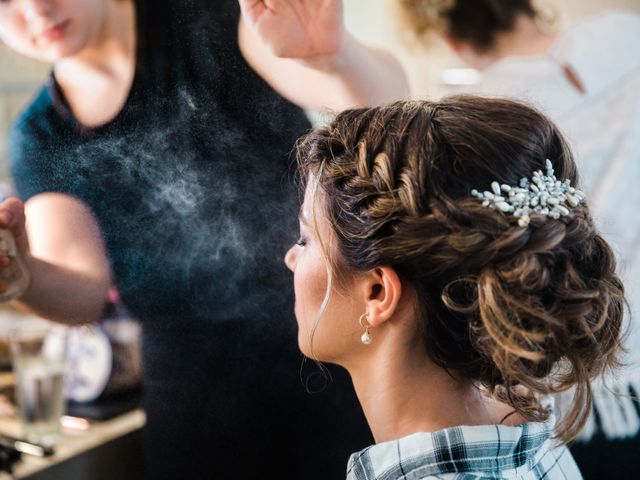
x: 520, y: 311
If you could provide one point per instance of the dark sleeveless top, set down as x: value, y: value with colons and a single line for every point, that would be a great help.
x: 191, y: 185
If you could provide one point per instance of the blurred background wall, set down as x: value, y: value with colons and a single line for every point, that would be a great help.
x: 370, y: 20
x: 19, y: 79
x: 374, y: 22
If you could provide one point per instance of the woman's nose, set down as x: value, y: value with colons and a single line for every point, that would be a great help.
x: 290, y: 259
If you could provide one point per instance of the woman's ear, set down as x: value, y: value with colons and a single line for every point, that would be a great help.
x: 383, y: 290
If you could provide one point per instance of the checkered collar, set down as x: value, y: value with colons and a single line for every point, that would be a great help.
x: 491, y: 450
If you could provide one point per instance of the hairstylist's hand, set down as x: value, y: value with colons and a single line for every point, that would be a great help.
x: 12, y: 218
x: 308, y: 30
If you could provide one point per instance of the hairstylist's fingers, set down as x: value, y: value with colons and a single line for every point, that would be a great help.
x: 252, y: 9
x: 12, y: 217
x: 12, y: 213
x: 300, y: 29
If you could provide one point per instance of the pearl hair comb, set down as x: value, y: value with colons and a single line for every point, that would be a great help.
x: 543, y: 195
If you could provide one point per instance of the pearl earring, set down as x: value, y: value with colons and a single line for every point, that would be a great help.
x: 365, y: 338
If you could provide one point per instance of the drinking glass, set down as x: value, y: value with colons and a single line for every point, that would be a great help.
x: 39, y: 356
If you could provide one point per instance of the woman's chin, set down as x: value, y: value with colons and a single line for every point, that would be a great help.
x: 55, y: 50
x: 303, y: 345
x: 59, y: 52
x: 49, y: 55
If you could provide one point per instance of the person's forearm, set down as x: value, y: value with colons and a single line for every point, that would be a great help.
x: 362, y: 75
x: 63, y: 295
x: 354, y: 76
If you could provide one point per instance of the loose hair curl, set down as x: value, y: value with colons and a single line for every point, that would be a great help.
x: 520, y: 311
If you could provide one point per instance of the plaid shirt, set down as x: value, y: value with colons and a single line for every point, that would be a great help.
x: 523, y: 452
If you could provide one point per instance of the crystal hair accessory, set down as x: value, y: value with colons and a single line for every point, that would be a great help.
x: 543, y: 195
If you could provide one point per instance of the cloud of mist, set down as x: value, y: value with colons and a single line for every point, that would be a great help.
x: 198, y: 224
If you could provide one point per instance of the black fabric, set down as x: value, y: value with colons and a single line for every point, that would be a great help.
x: 191, y: 186
x: 601, y: 458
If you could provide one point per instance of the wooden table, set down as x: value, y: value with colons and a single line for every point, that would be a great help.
x: 105, y: 450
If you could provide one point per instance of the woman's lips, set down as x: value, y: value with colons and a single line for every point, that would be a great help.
x: 53, y: 33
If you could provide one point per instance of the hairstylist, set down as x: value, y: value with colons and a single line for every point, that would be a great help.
x: 155, y: 157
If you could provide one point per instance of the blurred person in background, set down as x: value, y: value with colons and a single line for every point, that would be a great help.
x: 587, y: 79
x: 156, y: 157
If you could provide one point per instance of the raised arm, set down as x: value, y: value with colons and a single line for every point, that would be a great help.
x: 303, y: 50
x: 64, y: 252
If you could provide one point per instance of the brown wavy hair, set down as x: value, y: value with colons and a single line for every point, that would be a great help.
x: 520, y: 311
x: 476, y: 22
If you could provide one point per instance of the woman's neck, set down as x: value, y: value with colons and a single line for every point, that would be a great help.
x: 403, y: 392
x: 110, y: 51
x: 96, y: 82
x: 525, y: 39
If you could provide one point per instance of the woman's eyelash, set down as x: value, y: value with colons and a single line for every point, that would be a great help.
x: 301, y: 242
